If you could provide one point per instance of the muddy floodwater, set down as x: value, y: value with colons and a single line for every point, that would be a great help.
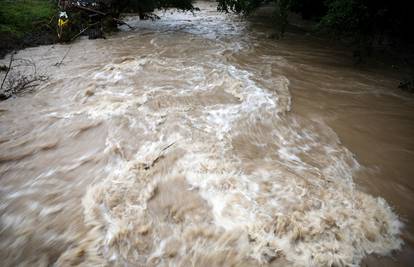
x: 197, y: 140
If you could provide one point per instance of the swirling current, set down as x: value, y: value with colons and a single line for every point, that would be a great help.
x: 196, y: 140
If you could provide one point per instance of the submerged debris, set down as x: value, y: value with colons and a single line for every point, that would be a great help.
x: 4, y: 68
x: 407, y: 84
x: 21, y: 75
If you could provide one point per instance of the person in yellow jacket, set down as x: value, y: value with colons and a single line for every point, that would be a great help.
x: 62, y: 25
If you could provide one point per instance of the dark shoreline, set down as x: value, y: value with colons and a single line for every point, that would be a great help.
x: 43, y: 36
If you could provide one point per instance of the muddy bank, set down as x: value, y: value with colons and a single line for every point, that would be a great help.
x: 9, y: 43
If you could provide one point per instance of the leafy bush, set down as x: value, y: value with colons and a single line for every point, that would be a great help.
x: 365, y: 21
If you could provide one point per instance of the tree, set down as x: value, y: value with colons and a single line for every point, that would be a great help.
x: 364, y: 21
x: 247, y: 6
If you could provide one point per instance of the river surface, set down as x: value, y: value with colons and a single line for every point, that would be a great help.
x: 196, y: 140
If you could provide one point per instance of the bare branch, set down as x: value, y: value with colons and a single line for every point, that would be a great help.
x: 19, y: 77
x: 8, y: 70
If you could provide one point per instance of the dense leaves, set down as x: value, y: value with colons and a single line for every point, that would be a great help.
x: 247, y: 6
x: 360, y: 19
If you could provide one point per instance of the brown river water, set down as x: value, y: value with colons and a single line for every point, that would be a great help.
x: 196, y: 140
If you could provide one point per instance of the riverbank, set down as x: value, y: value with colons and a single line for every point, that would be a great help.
x: 31, y: 23
x: 396, y: 59
x: 26, y: 24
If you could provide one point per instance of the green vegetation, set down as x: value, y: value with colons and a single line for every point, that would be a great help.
x: 18, y: 17
x: 33, y: 22
x: 365, y: 21
x: 25, y: 23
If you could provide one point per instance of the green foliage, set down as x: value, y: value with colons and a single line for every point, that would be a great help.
x: 247, y: 6
x: 344, y: 17
x: 281, y: 15
x: 361, y: 20
x: 21, y: 16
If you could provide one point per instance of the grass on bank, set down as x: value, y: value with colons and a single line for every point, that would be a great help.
x: 18, y: 17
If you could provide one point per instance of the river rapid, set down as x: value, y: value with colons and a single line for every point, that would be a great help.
x: 197, y: 140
